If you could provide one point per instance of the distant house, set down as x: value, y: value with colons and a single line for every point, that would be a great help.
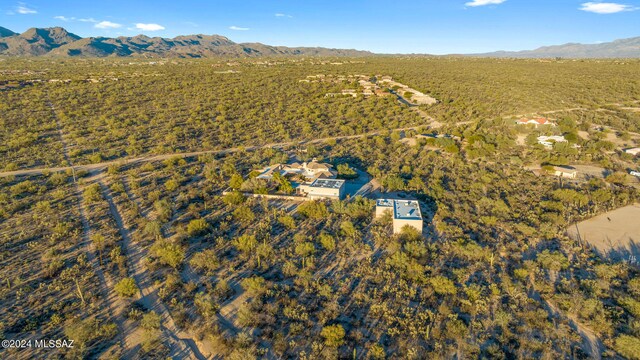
x: 565, y: 172
x: 351, y: 92
x: 633, y: 151
x: 311, y: 171
x: 437, y: 136
x: 536, y: 122
x: 323, y: 189
x: 548, y: 141
x: 405, y: 212
x: 382, y: 92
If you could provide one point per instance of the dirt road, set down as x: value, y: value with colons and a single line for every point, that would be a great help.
x: 114, y: 306
x: 180, y: 344
x: 591, y: 344
x: 103, y: 165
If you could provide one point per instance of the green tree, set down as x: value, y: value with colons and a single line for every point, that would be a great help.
x: 205, y: 304
x: 305, y: 249
x: 333, y: 335
x: 205, y: 261
x: 92, y: 193
x: 442, y: 286
x: 126, y: 287
x: 628, y: 346
x: 255, y: 285
x: 244, y: 214
x: 236, y: 181
x: 313, y: 209
x: 81, y: 332
x: 377, y: 352
x: 151, y: 321
x: 393, y: 183
x: 171, y: 185
x: 346, y: 172
x: 234, y: 198
x: 197, y: 227
x: 327, y: 241
x: 555, y: 261
x: 288, y: 221
x: 168, y: 253
x: 246, y: 244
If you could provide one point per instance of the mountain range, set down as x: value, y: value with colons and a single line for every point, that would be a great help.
x: 57, y: 41
x: 623, y: 48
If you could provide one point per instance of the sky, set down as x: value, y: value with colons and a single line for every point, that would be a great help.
x: 381, y: 26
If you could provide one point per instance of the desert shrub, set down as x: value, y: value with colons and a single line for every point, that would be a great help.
x: 126, y: 287
x: 327, y: 241
x: 256, y: 285
x: 443, y: 286
x: 197, y: 227
x: 168, y: 253
x: 333, y: 335
x: 628, y: 346
x: 205, y: 261
x: 234, y: 198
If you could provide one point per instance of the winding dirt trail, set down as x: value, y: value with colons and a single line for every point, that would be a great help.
x: 182, y: 346
x: 115, y: 307
x: 198, y: 349
x: 590, y: 341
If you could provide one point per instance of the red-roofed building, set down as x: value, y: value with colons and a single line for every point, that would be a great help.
x: 535, y: 121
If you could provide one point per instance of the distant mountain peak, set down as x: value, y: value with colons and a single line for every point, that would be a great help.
x: 6, y: 32
x: 35, y: 41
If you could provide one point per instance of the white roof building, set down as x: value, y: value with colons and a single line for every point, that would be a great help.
x: 548, y: 141
x: 323, y: 189
x: 565, y: 172
x: 405, y: 212
x: 633, y: 151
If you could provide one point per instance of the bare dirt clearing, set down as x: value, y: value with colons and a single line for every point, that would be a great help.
x: 615, y: 234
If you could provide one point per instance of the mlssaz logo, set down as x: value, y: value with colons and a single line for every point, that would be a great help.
x: 54, y: 344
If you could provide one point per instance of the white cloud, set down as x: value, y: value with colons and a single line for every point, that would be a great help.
x: 238, y: 28
x: 283, y: 15
x: 605, y: 8
x: 63, y: 18
x: 91, y: 20
x: 149, y: 27
x: 107, y: 25
x: 475, y: 3
x: 23, y: 9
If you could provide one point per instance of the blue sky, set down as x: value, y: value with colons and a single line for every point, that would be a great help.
x: 383, y: 26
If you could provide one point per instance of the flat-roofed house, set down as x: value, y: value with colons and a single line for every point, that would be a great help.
x: 548, y: 141
x: 565, y: 172
x: 405, y: 212
x: 323, y: 189
x: 383, y: 206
